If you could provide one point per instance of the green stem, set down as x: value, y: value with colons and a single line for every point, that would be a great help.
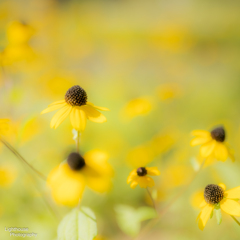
x: 19, y: 156
x: 235, y: 220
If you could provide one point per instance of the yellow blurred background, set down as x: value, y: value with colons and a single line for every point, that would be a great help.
x: 163, y: 68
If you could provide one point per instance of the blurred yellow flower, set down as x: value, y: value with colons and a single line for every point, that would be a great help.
x: 137, y: 107
x: 213, y: 144
x: 68, y: 180
x: 4, y: 126
x: 19, y: 33
x: 75, y: 105
x: 215, y: 197
x: 139, y: 176
x: 8, y: 175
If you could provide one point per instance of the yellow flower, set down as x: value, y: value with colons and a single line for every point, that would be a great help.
x: 215, y: 197
x: 213, y: 145
x: 75, y: 105
x: 139, y: 176
x: 4, y: 126
x: 68, y: 180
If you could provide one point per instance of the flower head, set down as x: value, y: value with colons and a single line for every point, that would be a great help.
x: 213, y: 144
x: 215, y: 197
x: 76, y: 106
x: 68, y: 180
x: 139, y: 176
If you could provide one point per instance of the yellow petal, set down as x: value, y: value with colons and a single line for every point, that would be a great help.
x: 97, y: 182
x: 54, y: 107
x: 57, y: 103
x: 153, y: 171
x: 200, y: 140
x: 133, y: 184
x: 222, y: 185
x: 66, y: 185
x: 78, y: 119
x: 132, y: 176
x: 204, y: 216
x: 98, y: 108
x: 145, y: 182
x: 233, y: 193
x: 98, y: 160
x: 201, y: 133
x: 60, y: 116
x: 230, y: 206
x: 203, y: 203
x: 221, y: 152
x: 93, y: 115
x: 207, y: 148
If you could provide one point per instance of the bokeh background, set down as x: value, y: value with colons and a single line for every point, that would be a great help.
x: 163, y: 67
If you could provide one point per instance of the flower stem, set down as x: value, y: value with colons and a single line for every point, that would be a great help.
x: 19, y: 156
x: 235, y: 220
x: 150, y: 195
x: 78, y: 141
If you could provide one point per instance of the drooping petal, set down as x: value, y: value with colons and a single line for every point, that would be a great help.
x: 98, y: 160
x: 201, y: 133
x: 66, y: 185
x: 207, y: 148
x: 93, y: 115
x: 60, y: 116
x: 96, y: 181
x: 203, y: 203
x: 204, y: 216
x: 221, y: 151
x: 133, y: 184
x: 132, y: 176
x: 54, y: 106
x: 153, y: 171
x: 230, y: 206
x: 200, y: 140
x: 145, y: 182
x: 233, y: 193
x: 98, y: 108
x: 78, y: 119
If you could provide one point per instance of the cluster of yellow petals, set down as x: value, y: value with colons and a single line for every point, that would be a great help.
x: 210, y: 148
x: 229, y: 204
x: 78, y: 114
x: 67, y: 185
x: 143, y: 181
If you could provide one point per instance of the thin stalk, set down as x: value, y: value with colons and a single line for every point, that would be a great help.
x: 19, y: 156
x: 150, y: 195
x: 235, y: 220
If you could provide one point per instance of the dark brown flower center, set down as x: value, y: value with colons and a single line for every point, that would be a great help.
x: 75, y: 161
x: 142, y: 171
x: 213, y: 194
x: 76, y: 96
x: 218, y: 134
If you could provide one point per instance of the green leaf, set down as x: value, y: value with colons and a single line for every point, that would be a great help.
x: 129, y: 219
x: 79, y: 224
x: 219, y: 216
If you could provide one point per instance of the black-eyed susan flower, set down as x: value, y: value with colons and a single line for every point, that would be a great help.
x: 77, y: 107
x: 216, y: 197
x: 212, y: 144
x: 140, y: 176
x: 68, y: 180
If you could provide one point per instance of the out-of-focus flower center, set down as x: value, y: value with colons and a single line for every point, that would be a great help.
x: 213, y: 194
x: 75, y: 161
x: 218, y: 134
x: 142, y: 171
x: 76, y: 96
